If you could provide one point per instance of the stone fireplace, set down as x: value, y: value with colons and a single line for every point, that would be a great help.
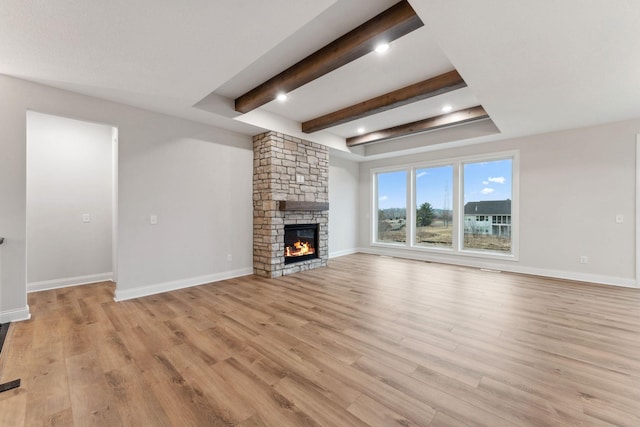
x: 290, y: 188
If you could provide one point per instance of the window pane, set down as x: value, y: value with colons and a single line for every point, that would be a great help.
x: 434, y: 201
x: 487, y: 205
x: 392, y: 207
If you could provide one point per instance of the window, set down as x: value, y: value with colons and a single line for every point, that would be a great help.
x: 434, y: 204
x: 464, y: 206
x: 487, y: 191
x: 392, y: 207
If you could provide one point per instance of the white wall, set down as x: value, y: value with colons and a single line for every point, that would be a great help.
x: 196, y: 178
x: 343, y: 206
x: 201, y: 193
x: 572, y: 185
x: 69, y: 174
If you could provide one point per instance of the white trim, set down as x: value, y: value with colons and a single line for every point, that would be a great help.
x: 158, y: 288
x: 449, y: 161
x: 46, y: 285
x: 15, y: 315
x: 337, y: 254
x: 578, y: 277
x: 410, y: 210
x: 511, y: 268
x: 373, y: 222
x: 638, y: 210
x: 457, y: 230
x: 450, y: 257
x: 114, y: 204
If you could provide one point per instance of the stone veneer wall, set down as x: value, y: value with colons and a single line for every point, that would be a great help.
x: 277, y: 160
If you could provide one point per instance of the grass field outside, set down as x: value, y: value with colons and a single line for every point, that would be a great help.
x: 437, y: 234
x: 440, y: 235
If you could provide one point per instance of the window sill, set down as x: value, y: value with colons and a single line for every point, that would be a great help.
x: 464, y: 253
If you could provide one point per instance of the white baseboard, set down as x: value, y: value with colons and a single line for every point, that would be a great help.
x: 16, y: 315
x: 343, y: 253
x: 507, y: 267
x: 580, y: 277
x: 143, y: 291
x: 68, y: 281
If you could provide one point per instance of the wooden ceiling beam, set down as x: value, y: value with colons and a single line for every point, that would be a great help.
x: 389, y: 25
x: 432, y: 123
x: 416, y: 92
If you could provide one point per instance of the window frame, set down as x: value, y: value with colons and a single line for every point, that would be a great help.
x: 374, y: 216
x: 457, y: 218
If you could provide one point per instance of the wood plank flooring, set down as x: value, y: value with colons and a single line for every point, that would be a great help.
x: 366, y: 341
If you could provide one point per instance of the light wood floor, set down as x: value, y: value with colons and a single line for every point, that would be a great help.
x: 367, y: 341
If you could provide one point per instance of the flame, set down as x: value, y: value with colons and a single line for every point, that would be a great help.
x: 299, y: 248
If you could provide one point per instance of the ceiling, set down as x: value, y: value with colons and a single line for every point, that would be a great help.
x: 535, y: 67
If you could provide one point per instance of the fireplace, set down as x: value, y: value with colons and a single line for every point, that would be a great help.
x: 290, y: 187
x: 300, y: 242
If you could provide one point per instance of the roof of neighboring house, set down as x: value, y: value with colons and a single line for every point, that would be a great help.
x: 488, y: 207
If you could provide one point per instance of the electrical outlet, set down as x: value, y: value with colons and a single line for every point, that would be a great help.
x: 229, y: 257
x: 153, y: 219
x: 86, y: 217
x: 619, y: 219
x: 584, y: 259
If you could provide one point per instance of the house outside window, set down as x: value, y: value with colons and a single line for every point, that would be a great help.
x: 496, y: 222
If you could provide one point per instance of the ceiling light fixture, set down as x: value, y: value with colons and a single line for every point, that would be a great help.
x: 281, y: 97
x: 447, y: 108
x: 360, y: 131
x: 382, y: 47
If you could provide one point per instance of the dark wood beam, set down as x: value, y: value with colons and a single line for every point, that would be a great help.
x: 389, y: 25
x: 432, y: 123
x: 416, y: 92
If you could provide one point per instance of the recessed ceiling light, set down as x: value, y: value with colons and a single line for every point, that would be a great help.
x: 360, y: 130
x: 382, y: 47
x: 447, y: 108
x: 282, y: 97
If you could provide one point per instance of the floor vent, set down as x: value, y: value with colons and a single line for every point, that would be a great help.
x: 4, y: 328
x: 10, y: 385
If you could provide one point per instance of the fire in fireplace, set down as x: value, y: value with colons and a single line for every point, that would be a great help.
x: 300, y: 242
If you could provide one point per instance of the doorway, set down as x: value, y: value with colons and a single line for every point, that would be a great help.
x: 71, y: 202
